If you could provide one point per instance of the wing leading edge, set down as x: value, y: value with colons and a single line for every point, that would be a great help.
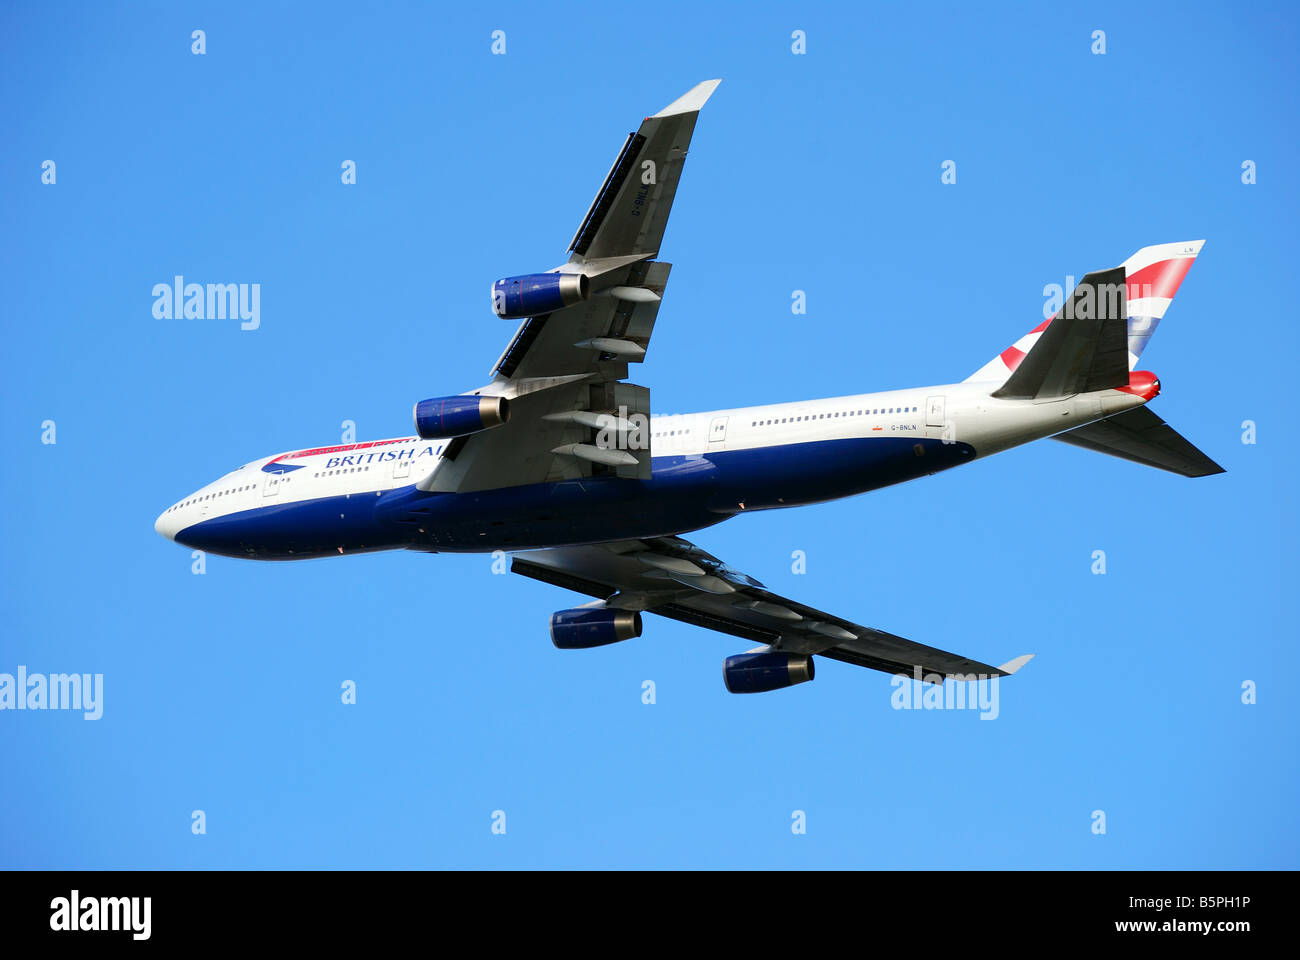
x: 630, y: 211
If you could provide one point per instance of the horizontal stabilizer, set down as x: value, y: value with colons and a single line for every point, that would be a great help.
x: 1141, y: 436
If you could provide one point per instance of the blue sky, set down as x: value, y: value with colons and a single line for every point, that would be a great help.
x: 818, y: 172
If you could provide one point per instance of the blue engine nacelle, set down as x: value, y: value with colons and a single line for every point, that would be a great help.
x: 538, y: 293
x: 459, y: 416
x: 593, y: 627
x: 761, y: 672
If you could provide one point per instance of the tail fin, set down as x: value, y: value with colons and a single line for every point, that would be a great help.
x: 1093, y: 343
x: 1151, y: 277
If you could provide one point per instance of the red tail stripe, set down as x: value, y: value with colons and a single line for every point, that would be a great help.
x: 1157, y: 280
x: 1160, y: 279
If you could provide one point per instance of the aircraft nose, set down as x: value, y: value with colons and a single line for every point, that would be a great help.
x: 167, y: 524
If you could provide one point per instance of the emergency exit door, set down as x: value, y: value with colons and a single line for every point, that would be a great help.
x: 934, y: 412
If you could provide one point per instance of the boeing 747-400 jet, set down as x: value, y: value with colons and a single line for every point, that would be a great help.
x: 560, y: 462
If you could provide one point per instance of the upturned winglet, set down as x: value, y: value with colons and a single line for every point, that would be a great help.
x: 692, y: 100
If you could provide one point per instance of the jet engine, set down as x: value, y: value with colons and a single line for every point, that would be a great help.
x: 459, y: 416
x: 593, y: 627
x: 761, y: 672
x: 538, y: 293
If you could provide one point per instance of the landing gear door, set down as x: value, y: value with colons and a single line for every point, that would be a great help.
x: 717, y: 432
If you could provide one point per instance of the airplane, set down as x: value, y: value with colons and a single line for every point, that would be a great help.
x: 559, y: 461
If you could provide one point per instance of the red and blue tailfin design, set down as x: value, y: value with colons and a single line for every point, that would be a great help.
x: 1152, y: 277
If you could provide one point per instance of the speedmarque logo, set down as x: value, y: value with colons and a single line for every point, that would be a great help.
x: 102, y: 914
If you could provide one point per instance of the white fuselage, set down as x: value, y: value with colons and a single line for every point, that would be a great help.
x: 961, y: 413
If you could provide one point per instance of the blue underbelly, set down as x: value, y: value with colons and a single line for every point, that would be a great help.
x: 684, y: 493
